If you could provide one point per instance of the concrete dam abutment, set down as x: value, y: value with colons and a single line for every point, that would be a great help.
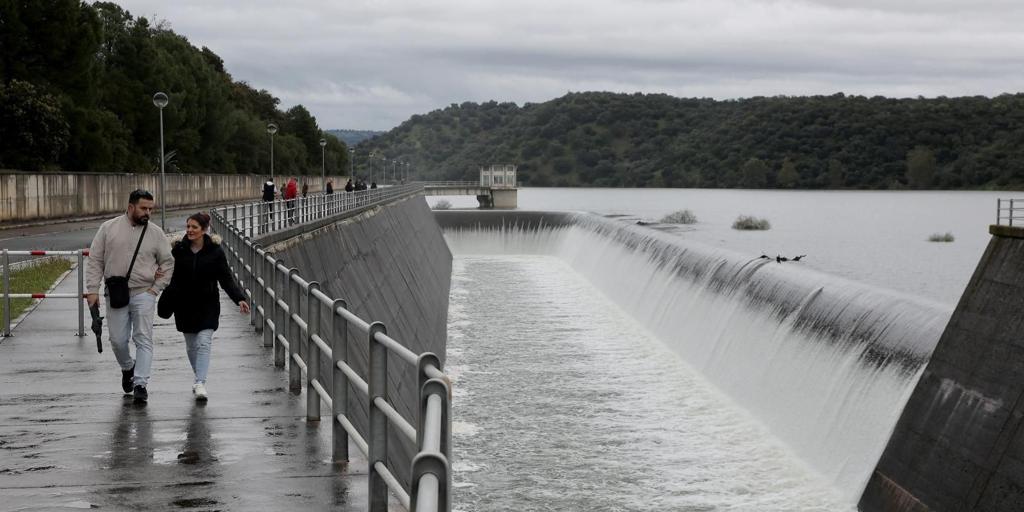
x: 959, y: 445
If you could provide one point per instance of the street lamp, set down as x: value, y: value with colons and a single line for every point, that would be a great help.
x: 271, y: 129
x: 384, y: 166
x: 352, y: 162
x: 323, y: 164
x: 369, y: 164
x: 160, y: 101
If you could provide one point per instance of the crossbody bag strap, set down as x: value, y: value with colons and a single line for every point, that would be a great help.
x: 136, y: 254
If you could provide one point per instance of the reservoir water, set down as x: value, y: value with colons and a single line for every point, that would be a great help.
x: 611, y: 366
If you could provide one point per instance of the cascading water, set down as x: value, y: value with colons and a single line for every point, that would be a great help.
x: 825, y: 363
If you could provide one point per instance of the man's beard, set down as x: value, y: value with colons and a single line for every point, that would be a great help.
x: 141, y: 219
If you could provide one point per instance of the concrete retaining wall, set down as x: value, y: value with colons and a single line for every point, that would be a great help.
x: 959, y: 445
x: 27, y: 197
x: 392, y: 265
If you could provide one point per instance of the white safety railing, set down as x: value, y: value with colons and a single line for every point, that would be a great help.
x: 1009, y: 210
x: 291, y: 312
x: 7, y: 295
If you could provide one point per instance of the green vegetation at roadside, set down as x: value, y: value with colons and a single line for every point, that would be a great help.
x: 33, y: 279
x: 786, y: 142
x: 76, y: 87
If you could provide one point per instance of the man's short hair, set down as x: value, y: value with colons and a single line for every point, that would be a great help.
x: 137, y: 194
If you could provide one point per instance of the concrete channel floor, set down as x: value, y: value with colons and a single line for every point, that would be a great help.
x: 69, y: 439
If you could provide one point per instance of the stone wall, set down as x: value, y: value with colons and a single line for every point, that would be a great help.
x: 959, y: 445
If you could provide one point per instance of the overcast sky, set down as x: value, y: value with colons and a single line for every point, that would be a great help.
x: 372, y: 64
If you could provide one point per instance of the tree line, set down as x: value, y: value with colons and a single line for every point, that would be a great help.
x: 76, y: 87
x: 656, y: 140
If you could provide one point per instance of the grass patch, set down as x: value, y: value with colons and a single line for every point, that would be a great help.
x: 751, y: 223
x: 680, y: 217
x: 33, y: 279
x: 940, y: 237
x: 443, y: 204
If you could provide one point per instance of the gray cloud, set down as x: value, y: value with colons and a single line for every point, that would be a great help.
x: 372, y: 64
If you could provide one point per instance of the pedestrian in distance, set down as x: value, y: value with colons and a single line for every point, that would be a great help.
x: 269, y: 191
x: 349, y: 187
x: 305, y: 189
x: 330, y: 187
x: 132, y: 258
x: 193, y: 298
x: 291, y: 191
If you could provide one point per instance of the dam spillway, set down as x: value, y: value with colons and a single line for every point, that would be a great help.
x: 821, y: 365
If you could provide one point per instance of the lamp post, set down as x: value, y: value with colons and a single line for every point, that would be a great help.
x: 369, y: 164
x: 352, y: 162
x: 160, y: 101
x: 272, y: 129
x: 323, y: 164
x: 384, y: 166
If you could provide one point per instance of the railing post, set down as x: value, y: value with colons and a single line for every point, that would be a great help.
x: 81, y: 293
x: 313, y: 307
x: 292, y: 332
x: 1011, y: 213
x: 378, y: 431
x: 279, y: 314
x: 999, y: 211
x: 339, y: 382
x: 7, y: 293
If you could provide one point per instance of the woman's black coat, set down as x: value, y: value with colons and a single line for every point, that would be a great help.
x: 194, y: 285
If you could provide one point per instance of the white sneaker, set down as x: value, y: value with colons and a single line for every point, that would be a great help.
x: 199, y: 390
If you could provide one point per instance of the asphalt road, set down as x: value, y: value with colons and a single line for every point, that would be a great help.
x: 68, y: 235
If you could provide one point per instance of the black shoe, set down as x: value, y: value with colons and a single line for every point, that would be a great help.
x: 141, y: 395
x: 126, y: 379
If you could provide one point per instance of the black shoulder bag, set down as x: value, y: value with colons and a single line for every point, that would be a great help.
x: 117, y: 286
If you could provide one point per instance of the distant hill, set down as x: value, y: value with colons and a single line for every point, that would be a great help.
x: 353, y: 137
x: 656, y: 140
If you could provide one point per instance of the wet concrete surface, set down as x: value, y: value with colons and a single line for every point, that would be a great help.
x: 69, y: 438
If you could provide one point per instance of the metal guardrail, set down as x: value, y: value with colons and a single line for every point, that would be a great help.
x: 460, y: 184
x: 257, y: 218
x: 7, y: 295
x: 277, y: 294
x: 1010, y: 210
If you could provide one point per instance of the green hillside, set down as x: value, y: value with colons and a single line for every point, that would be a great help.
x: 656, y: 140
x: 76, y: 88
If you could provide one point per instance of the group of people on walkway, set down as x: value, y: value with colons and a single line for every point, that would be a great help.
x: 136, y: 263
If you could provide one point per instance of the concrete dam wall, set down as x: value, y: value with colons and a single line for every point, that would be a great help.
x: 959, y: 444
x: 391, y: 264
x: 27, y: 197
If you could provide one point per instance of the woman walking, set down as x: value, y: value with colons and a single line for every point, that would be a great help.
x: 199, y: 264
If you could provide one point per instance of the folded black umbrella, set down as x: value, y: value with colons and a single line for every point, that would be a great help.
x: 97, y: 326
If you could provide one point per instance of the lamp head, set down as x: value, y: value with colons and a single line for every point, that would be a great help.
x: 160, y: 100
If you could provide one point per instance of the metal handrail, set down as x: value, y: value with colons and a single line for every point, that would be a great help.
x: 258, y: 218
x: 277, y: 294
x: 7, y: 295
x: 1010, y: 210
x: 468, y: 184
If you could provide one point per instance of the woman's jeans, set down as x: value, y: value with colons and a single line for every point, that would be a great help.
x: 197, y: 344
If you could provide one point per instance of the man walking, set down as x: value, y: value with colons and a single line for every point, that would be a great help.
x: 130, y: 246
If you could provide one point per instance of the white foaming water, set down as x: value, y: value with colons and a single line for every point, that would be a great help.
x: 824, y: 364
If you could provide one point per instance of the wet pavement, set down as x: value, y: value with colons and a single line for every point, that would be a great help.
x: 69, y: 439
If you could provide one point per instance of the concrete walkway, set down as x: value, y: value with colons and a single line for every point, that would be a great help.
x: 69, y: 439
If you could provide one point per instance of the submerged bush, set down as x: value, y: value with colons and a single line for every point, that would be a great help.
x: 938, y: 237
x: 749, y: 222
x: 443, y: 204
x: 680, y: 217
